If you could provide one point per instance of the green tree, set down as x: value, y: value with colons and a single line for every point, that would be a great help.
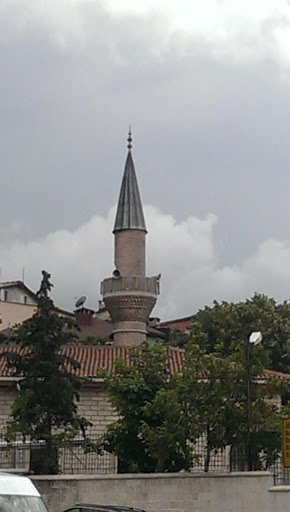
x: 223, y: 331
x: 46, y: 406
x: 229, y: 412
x: 208, y: 391
x: 161, y: 416
x: 218, y: 328
x: 178, y: 337
x: 92, y: 339
x: 151, y: 434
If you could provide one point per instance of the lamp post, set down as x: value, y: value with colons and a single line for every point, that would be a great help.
x: 254, y: 339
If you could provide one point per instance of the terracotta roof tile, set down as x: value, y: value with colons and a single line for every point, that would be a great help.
x: 176, y: 358
x: 274, y: 373
x: 93, y: 358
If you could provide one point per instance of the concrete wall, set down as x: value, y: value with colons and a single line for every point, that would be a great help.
x: 236, y: 492
x: 280, y: 498
x: 16, y: 294
x: 12, y: 313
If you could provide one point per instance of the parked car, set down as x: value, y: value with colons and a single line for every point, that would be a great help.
x: 17, y: 493
x: 82, y: 507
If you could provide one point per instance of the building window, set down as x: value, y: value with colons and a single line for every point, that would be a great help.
x: 5, y: 294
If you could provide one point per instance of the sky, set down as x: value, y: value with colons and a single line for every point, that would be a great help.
x: 205, y: 86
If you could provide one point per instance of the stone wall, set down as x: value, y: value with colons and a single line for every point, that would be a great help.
x: 94, y: 405
x: 236, y: 492
x: 7, y: 397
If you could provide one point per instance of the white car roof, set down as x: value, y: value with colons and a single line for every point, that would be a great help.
x: 17, y: 485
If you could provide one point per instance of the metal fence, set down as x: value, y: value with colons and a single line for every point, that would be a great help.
x: 72, y: 457
x: 280, y: 473
x: 233, y: 459
x: 215, y: 461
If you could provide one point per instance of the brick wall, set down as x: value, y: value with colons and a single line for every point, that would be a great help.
x: 130, y: 252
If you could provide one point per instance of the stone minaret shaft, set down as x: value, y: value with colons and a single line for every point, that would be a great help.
x: 129, y: 295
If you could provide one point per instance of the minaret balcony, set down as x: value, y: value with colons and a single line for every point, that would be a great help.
x: 131, y: 284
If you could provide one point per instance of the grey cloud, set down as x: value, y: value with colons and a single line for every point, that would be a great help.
x: 184, y: 252
x: 210, y: 131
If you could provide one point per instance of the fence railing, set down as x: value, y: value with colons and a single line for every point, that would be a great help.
x: 233, y: 459
x: 216, y: 461
x: 280, y: 473
x: 72, y: 457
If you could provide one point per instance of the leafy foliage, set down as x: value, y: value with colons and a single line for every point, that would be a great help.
x: 92, y: 339
x: 216, y: 387
x: 222, y: 394
x: 151, y: 434
x: 162, y: 415
x: 178, y: 337
x: 218, y: 328
x: 222, y: 332
x: 45, y: 407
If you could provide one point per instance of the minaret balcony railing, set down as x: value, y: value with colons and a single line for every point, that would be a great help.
x: 131, y: 284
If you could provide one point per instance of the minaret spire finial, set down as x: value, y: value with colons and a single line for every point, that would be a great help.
x: 129, y: 139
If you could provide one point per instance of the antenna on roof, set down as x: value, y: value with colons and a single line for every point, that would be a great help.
x: 80, y: 302
x: 23, y: 274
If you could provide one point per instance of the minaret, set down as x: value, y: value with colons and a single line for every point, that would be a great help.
x: 129, y: 295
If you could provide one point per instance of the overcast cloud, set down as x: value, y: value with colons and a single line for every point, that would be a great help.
x: 206, y: 88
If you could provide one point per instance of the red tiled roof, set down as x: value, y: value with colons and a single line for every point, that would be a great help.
x: 93, y: 358
x: 279, y: 375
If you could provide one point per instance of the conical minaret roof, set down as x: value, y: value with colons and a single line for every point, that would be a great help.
x: 129, y: 212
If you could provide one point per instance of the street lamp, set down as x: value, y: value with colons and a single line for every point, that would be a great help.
x: 254, y: 339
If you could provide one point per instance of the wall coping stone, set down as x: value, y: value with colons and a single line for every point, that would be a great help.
x: 280, y: 488
x: 156, y: 476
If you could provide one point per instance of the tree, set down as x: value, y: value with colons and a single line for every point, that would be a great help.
x: 161, y: 416
x: 223, y: 331
x: 45, y: 408
x: 217, y: 392
x: 151, y: 434
x: 92, y: 339
x: 218, y: 328
x: 178, y: 337
x: 209, y: 393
